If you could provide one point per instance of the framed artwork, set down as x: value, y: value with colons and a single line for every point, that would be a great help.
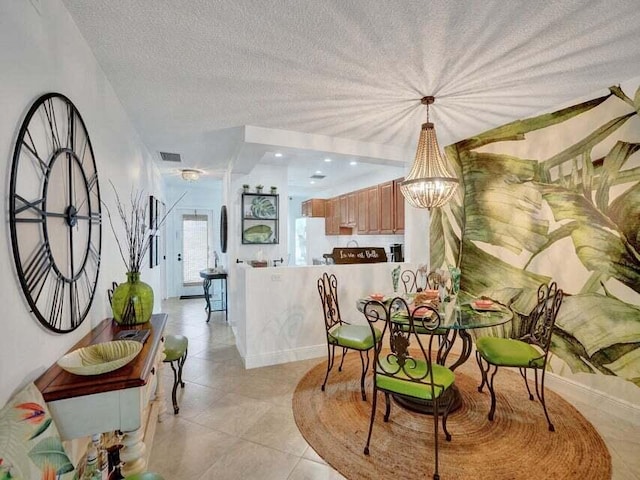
x: 260, y: 218
x: 155, y: 215
x: 160, y: 230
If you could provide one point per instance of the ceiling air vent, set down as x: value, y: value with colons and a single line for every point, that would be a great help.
x: 317, y: 177
x: 170, y: 157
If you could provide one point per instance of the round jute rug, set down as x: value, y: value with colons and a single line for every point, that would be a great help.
x: 516, y: 445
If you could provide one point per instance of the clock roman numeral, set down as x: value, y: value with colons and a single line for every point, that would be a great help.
x: 75, y: 304
x: 32, y: 206
x: 37, y: 270
x: 71, y: 127
x: 87, y: 283
x: 92, y: 181
x: 29, y: 144
x: 57, y: 303
x: 53, y: 125
x: 93, y: 254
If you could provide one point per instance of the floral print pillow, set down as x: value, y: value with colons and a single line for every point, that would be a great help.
x: 30, y: 446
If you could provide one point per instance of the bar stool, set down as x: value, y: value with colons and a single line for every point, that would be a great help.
x: 175, y: 350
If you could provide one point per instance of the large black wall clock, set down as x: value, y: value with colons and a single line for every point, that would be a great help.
x: 55, y: 213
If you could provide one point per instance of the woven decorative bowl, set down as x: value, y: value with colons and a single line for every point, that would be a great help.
x: 101, y: 357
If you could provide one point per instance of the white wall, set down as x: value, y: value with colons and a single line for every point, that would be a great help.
x: 44, y: 52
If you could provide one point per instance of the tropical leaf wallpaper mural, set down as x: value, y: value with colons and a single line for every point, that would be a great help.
x: 557, y: 196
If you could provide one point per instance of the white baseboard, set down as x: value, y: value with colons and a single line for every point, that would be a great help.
x: 285, y: 356
x: 610, y: 405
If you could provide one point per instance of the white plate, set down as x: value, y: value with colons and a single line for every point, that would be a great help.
x: 490, y: 307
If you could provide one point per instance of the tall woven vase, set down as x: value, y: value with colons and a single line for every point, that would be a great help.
x: 132, y: 301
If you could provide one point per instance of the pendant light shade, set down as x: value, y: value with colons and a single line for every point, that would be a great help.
x: 429, y: 183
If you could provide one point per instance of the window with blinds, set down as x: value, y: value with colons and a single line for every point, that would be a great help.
x: 195, y: 247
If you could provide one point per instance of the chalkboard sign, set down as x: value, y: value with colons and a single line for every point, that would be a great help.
x: 359, y: 255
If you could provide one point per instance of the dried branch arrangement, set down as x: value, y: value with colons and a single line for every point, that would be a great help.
x: 135, y: 242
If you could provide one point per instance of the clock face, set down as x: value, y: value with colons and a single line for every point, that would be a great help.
x: 55, y: 213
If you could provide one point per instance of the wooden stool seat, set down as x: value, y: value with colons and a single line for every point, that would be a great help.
x: 175, y: 350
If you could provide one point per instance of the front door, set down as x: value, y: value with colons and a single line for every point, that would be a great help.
x: 195, y: 240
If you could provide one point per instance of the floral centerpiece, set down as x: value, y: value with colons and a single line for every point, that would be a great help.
x: 132, y: 301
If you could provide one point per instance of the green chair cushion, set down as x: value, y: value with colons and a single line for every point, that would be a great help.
x: 174, y: 347
x: 400, y: 383
x: 509, y: 353
x: 353, y: 336
x: 145, y: 476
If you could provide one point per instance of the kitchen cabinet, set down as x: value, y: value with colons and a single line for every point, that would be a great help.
x: 399, y: 206
x: 333, y: 225
x: 373, y: 210
x: 344, y: 210
x: 314, y: 207
x: 348, y: 210
x: 386, y: 200
x: 332, y: 217
x: 391, y: 207
x: 352, y: 207
x: 362, y: 222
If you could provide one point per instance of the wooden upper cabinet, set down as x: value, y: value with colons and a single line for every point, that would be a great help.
x: 399, y: 206
x: 362, y: 212
x: 352, y: 207
x: 328, y: 218
x: 344, y: 209
x: 373, y: 210
x: 373, y: 206
x: 314, y: 207
x: 332, y: 218
x: 386, y: 197
x: 348, y: 210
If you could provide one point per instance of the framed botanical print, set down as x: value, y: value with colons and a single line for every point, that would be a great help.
x: 260, y: 218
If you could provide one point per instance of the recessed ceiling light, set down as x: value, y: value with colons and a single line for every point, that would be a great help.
x: 278, y: 155
x: 353, y: 162
x: 327, y: 160
x: 318, y: 172
x: 312, y: 182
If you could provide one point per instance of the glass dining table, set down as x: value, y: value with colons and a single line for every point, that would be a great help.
x: 459, y: 317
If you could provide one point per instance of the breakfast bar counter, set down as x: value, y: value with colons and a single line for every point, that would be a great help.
x: 277, y: 313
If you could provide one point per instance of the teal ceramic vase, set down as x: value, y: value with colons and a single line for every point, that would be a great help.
x: 132, y: 301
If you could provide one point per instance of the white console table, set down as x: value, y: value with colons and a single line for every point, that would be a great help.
x: 124, y: 399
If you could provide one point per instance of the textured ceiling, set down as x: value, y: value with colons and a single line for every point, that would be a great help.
x: 351, y: 69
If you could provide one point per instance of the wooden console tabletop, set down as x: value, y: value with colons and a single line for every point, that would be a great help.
x: 58, y: 384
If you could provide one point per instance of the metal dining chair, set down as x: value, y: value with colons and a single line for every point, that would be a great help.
x: 415, y: 281
x: 529, y: 352
x: 341, y: 333
x: 403, y: 362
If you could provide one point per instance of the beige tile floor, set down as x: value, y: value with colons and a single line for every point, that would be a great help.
x: 238, y: 424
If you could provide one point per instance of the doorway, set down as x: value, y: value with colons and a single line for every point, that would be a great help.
x: 194, y: 252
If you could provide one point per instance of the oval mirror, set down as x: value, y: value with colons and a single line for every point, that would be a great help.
x: 223, y: 229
